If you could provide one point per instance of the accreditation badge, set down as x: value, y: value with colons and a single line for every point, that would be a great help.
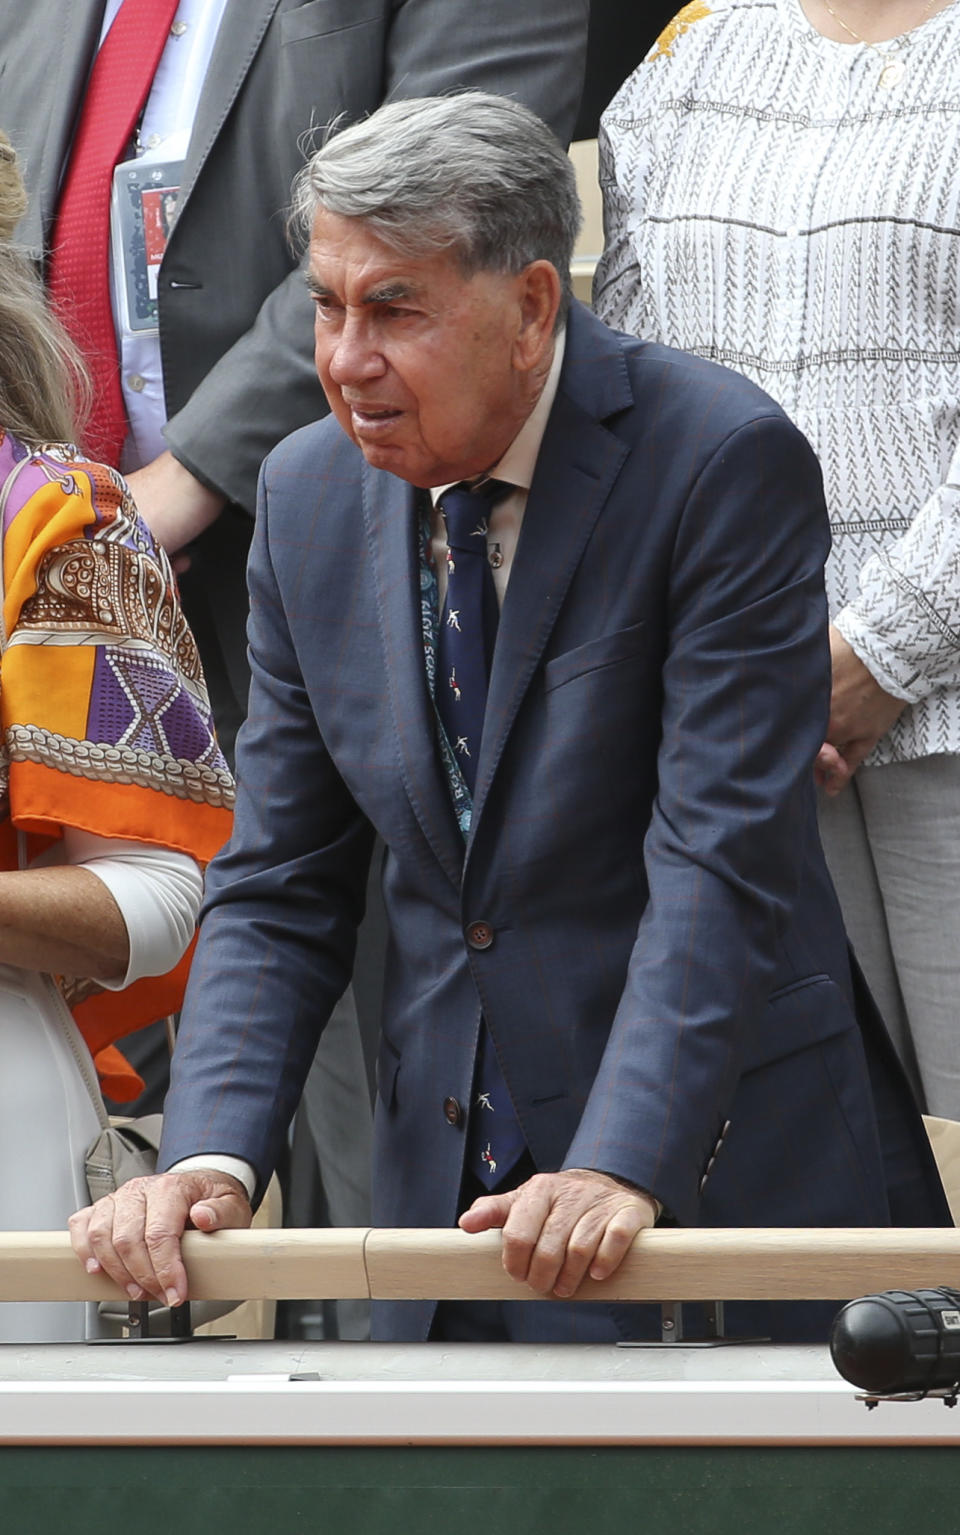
x: 143, y: 213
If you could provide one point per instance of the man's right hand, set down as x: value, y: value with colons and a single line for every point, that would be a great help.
x: 134, y: 1235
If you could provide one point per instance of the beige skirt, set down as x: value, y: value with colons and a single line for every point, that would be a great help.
x: 47, y: 1121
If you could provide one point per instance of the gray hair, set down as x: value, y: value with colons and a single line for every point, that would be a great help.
x: 43, y: 384
x: 474, y: 174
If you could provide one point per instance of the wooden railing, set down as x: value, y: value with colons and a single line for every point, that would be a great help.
x: 412, y: 1264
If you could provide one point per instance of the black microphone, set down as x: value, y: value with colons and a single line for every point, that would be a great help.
x: 899, y: 1342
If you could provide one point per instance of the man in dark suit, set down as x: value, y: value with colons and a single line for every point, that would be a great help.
x: 617, y: 979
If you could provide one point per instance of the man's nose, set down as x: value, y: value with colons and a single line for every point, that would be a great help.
x: 356, y: 355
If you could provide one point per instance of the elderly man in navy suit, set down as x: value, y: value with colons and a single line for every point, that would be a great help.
x: 542, y: 606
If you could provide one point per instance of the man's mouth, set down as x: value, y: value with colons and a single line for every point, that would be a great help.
x: 373, y: 415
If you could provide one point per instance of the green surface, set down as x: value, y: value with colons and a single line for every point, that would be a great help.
x: 171, y: 1491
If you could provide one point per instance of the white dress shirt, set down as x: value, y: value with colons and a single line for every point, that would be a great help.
x: 514, y: 468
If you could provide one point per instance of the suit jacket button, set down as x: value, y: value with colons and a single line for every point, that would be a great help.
x: 480, y: 935
x: 452, y: 1111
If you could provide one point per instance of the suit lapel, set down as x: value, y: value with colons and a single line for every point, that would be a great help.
x: 577, y: 466
x: 390, y: 512
x: 233, y: 53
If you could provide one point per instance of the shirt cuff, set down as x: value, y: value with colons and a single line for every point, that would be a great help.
x: 218, y: 1162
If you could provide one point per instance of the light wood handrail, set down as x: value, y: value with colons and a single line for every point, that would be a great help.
x: 411, y: 1264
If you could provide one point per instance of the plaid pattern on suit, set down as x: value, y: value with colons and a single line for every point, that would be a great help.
x: 667, y: 951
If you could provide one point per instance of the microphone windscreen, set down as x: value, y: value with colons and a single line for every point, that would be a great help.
x: 871, y: 1346
x: 899, y: 1341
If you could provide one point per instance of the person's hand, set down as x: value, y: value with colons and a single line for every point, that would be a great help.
x: 861, y: 711
x: 557, y: 1226
x: 134, y: 1234
x: 173, y: 504
x: 831, y: 770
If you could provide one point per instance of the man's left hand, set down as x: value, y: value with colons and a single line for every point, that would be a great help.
x: 557, y: 1226
x: 861, y: 711
x: 174, y: 504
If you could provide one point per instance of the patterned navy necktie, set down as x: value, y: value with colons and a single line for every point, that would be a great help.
x: 468, y: 623
x: 468, y: 627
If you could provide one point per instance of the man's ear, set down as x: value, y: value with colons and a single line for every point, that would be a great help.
x: 540, y: 294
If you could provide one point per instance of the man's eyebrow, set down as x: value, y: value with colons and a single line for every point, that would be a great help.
x: 389, y: 292
x: 383, y: 293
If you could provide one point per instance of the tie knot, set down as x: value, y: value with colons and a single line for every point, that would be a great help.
x: 465, y: 511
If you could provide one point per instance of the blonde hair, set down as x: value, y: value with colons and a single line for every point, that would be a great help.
x: 43, y: 383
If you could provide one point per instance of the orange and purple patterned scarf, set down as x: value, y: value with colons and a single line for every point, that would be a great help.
x: 104, y: 712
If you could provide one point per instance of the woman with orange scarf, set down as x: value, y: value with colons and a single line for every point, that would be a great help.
x: 113, y: 792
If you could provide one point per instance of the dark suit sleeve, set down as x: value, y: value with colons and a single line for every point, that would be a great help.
x: 265, y: 386
x: 278, y: 929
x: 746, y: 696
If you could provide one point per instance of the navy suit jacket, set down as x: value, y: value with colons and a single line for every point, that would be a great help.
x: 668, y: 957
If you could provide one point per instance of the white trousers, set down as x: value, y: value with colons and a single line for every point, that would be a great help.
x: 47, y: 1121
x: 892, y: 842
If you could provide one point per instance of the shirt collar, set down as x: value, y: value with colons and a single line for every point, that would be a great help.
x: 518, y: 463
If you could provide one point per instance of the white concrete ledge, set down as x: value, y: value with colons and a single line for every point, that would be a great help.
x: 267, y: 1410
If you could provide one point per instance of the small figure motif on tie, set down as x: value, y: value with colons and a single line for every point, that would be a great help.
x: 462, y: 746
x: 453, y: 684
x: 488, y: 1160
x: 453, y: 619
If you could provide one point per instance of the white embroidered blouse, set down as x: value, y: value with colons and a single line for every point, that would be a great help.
x: 770, y: 204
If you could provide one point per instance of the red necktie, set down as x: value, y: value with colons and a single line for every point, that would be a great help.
x: 79, y: 273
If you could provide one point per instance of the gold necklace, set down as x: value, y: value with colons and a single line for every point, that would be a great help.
x: 893, y: 65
